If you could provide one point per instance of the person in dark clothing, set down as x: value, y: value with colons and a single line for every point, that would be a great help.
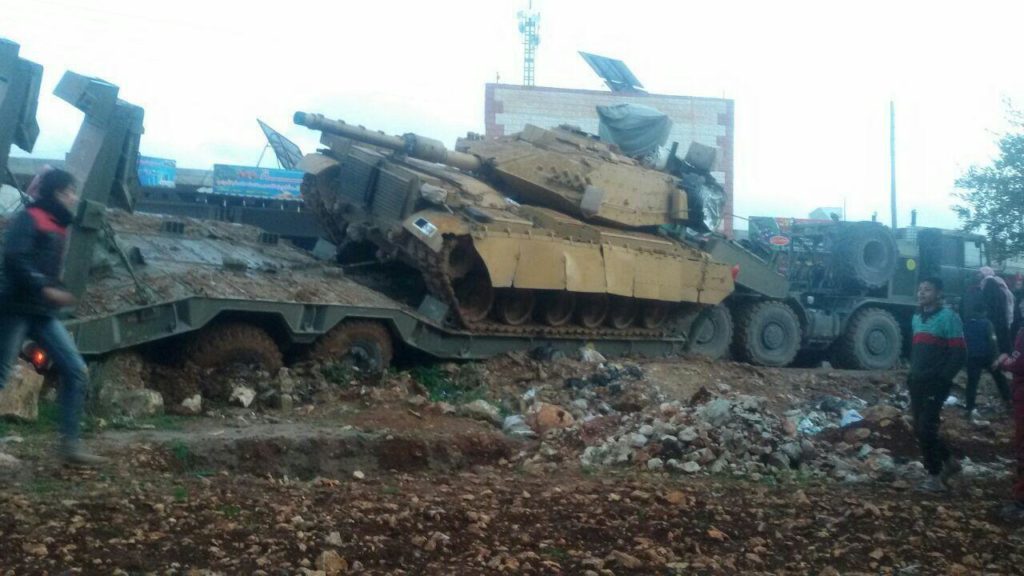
x: 1014, y: 364
x: 999, y: 305
x: 31, y: 296
x: 980, y: 337
x: 937, y: 354
x: 1018, y: 298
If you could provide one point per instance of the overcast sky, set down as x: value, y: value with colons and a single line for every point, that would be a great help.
x: 811, y: 81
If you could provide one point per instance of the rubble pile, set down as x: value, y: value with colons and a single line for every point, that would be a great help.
x: 722, y: 435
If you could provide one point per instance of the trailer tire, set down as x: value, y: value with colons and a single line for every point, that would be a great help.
x: 232, y: 343
x: 365, y: 344
x: 866, y: 253
x: 872, y: 341
x: 709, y: 331
x: 767, y: 334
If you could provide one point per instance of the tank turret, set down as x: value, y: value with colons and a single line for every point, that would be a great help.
x: 540, y: 230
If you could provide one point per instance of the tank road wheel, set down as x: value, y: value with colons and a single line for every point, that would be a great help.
x: 709, y: 331
x: 621, y: 312
x: 514, y: 307
x: 232, y: 344
x: 872, y: 341
x: 767, y: 334
x: 591, y: 309
x: 654, y: 314
x: 363, y: 346
x: 475, y: 296
x: 556, y: 307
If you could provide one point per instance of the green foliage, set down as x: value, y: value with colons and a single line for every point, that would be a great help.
x: 49, y: 414
x: 337, y: 373
x: 993, y: 195
x: 230, y: 510
x: 180, y: 493
x: 555, y: 553
x: 43, y: 486
x: 157, y: 422
x: 182, y: 454
x: 460, y: 387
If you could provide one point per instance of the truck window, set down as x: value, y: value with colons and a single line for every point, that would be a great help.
x: 952, y: 251
x: 973, y: 255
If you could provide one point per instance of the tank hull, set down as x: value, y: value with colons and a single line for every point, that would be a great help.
x: 496, y: 260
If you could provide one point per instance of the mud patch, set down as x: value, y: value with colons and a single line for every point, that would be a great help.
x: 403, y: 455
x: 329, y: 455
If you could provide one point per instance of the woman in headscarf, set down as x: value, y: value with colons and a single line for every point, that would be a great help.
x: 999, y: 306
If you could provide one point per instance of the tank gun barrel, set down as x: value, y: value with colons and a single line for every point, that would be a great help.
x: 411, y: 145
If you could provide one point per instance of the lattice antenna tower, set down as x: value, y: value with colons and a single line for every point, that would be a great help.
x: 529, y: 27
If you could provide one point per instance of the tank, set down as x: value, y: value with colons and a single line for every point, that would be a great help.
x: 547, y: 230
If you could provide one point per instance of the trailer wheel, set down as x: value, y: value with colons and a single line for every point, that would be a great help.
x: 767, y: 334
x: 361, y: 345
x: 872, y: 341
x: 234, y: 343
x: 709, y: 331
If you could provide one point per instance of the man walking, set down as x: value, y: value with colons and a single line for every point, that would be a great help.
x: 31, y: 295
x: 936, y: 355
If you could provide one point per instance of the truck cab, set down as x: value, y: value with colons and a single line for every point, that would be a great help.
x: 951, y: 255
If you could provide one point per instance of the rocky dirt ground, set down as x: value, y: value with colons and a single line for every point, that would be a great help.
x: 519, y: 466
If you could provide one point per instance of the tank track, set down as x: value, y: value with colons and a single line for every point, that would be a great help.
x: 434, y: 267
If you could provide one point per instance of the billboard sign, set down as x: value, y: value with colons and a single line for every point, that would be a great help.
x: 268, y: 183
x: 776, y: 233
x: 157, y: 172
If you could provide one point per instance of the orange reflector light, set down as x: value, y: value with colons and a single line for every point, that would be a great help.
x: 735, y: 272
x: 35, y: 355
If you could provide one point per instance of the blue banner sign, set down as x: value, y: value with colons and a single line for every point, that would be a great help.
x: 257, y: 182
x: 157, y: 172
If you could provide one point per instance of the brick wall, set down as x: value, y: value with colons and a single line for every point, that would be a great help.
x: 709, y: 121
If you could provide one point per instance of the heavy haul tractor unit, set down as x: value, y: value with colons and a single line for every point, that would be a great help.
x: 851, y: 288
x: 545, y: 232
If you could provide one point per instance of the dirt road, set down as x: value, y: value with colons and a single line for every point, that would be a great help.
x: 378, y: 481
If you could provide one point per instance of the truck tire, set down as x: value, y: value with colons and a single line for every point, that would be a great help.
x: 709, y: 331
x: 767, y: 334
x: 364, y: 345
x: 872, y: 341
x: 866, y: 253
x: 234, y: 343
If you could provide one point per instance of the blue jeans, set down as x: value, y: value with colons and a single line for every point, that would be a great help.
x: 68, y: 363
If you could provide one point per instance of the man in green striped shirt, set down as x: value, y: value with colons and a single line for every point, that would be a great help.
x: 936, y: 355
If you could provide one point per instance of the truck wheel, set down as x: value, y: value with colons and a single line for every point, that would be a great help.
x: 872, y: 341
x: 767, y: 334
x: 866, y: 254
x: 709, y: 331
x: 234, y: 343
x: 362, y: 345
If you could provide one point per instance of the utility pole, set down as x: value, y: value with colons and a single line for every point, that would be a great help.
x: 892, y: 162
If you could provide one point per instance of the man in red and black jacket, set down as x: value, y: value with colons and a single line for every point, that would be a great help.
x: 31, y: 296
x: 936, y: 355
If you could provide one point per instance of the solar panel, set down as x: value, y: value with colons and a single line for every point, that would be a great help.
x: 614, y: 73
x: 288, y: 153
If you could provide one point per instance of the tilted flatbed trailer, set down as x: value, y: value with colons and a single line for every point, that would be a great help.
x: 198, y: 275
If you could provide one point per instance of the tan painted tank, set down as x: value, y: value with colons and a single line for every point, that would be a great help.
x: 544, y: 230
